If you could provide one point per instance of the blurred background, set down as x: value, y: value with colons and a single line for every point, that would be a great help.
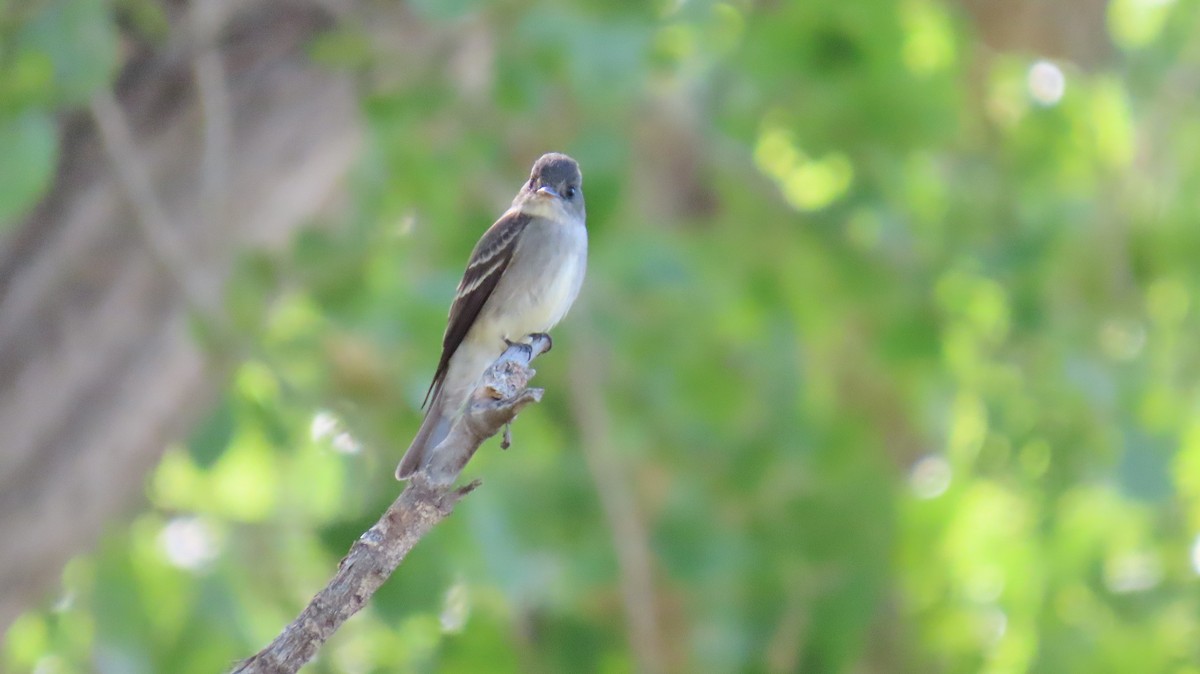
x: 886, y: 360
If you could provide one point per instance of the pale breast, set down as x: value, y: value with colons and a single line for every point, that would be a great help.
x: 542, y: 281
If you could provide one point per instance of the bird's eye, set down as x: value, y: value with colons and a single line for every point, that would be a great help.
x: 531, y: 183
x: 570, y: 192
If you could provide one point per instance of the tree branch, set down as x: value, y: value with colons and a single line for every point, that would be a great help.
x: 207, y: 21
x: 429, y: 498
x: 150, y: 215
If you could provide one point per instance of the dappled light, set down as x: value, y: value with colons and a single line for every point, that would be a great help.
x: 886, y: 358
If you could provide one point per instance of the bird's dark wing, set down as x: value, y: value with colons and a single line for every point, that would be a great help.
x: 487, y: 264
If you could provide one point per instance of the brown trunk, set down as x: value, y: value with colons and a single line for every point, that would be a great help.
x: 99, y: 370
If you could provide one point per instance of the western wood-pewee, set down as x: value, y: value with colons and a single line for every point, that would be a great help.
x: 521, y: 279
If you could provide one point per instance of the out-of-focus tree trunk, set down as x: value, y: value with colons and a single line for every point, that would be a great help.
x: 1071, y: 30
x: 99, y: 369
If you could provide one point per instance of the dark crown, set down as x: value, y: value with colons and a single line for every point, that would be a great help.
x: 555, y: 169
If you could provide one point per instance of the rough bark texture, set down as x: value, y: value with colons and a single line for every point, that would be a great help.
x: 240, y: 141
x: 428, y: 499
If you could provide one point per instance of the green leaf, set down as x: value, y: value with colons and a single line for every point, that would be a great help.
x: 30, y: 150
x: 26, y: 81
x: 80, y: 39
x: 211, y: 439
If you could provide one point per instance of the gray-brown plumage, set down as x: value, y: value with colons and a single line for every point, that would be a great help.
x: 521, y: 279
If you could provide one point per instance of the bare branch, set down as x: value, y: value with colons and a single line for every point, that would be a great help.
x: 207, y: 20
x: 495, y: 403
x: 429, y: 498
x: 150, y: 216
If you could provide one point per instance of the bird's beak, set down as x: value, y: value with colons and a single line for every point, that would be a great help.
x: 548, y: 191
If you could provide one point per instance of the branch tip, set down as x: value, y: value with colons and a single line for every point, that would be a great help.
x: 469, y: 487
x: 429, y: 497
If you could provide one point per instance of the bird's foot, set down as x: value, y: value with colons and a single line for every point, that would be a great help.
x: 506, y: 441
x: 543, y: 335
x: 527, y: 347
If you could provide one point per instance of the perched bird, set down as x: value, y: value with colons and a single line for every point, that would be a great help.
x: 521, y: 279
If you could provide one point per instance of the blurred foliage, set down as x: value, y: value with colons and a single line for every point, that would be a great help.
x: 895, y: 335
x: 53, y: 55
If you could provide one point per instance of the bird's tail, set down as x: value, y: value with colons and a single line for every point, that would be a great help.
x: 434, y: 429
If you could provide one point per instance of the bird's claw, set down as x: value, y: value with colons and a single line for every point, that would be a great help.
x: 545, y: 336
x: 528, y: 348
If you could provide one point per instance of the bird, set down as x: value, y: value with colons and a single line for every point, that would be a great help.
x: 521, y: 279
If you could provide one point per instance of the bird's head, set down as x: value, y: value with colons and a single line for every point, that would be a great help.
x: 555, y: 184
